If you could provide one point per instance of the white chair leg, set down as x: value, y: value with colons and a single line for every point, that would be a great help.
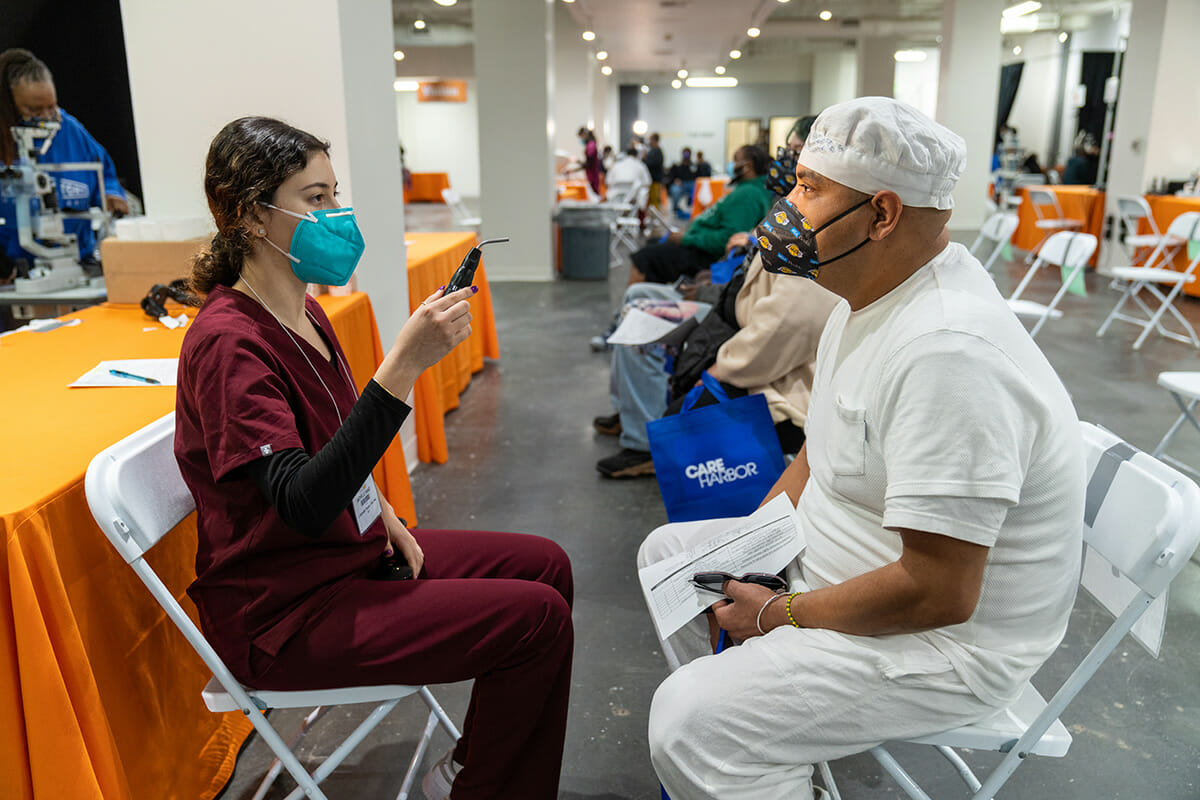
x: 436, y: 707
x: 898, y: 773
x: 277, y: 766
x: 414, y: 764
x: 827, y: 779
x: 342, y: 750
x: 960, y: 766
x: 1024, y: 281
x: 1054, y: 303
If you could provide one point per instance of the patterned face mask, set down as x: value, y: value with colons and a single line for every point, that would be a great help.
x: 781, y: 174
x: 787, y: 241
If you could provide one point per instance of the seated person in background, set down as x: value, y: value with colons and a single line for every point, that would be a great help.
x: 1082, y: 168
x: 681, y: 180
x: 28, y: 96
x: 703, y: 168
x: 770, y: 327
x: 277, y: 447
x: 781, y: 173
x: 940, y: 489
x: 628, y: 175
x: 688, y: 252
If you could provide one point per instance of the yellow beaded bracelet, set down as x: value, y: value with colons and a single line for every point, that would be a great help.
x: 788, y: 607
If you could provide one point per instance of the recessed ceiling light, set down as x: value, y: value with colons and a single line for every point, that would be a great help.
x: 419, y: 24
x: 826, y: 15
x: 445, y: 2
x: 712, y: 83
x: 735, y: 54
x: 910, y: 56
x: 645, y: 89
x: 568, y: 1
x: 675, y: 84
x: 753, y: 32
x: 1017, y: 50
x: 640, y: 126
x: 603, y: 54
x: 404, y: 85
x: 781, y: 1
x: 606, y: 69
x: 398, y: 55
x: 589, y: 36
x: 683, y: 73
x: 721, y: 70
x: 1021, y: 9
x: 1062, y: 37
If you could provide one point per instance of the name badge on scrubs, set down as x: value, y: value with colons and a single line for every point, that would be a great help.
x: 366, y: 506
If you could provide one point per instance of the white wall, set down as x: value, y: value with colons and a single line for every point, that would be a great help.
x: 695, y: 118
x: 916, y: 82
x: 442, y: 137
x: 835, y: 78
x: 1037, y: 95
x: 572, y: 102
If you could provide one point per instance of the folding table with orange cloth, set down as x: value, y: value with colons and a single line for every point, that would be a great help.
x: 1164, y: 208
x: 427, y: 187
x: 716, y: 185
x: 432, y: 260
x: 99, y: 692
x: 1077, y: 202
x: 572, y: 190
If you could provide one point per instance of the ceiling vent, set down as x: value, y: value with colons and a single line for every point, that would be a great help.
x: 672, y: 3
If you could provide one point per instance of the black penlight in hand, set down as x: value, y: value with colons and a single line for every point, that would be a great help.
x: 465, y: 274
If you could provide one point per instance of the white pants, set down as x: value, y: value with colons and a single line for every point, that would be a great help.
x: 750, y: 723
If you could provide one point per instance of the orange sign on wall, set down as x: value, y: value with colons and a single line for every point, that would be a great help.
x: 442, y: 92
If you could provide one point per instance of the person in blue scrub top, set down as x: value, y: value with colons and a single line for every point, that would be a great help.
x: 27, y: 95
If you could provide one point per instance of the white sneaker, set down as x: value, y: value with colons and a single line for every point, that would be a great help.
x: 437, y: 782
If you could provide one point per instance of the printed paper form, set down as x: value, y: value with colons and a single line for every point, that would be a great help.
x: 638, y: 327
x: 161, y: 369
x: 765, y: 541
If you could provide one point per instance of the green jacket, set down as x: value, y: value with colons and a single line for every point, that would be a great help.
x: 739, y: 210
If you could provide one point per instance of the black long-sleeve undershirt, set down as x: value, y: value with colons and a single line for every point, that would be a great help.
x: 307, y: 492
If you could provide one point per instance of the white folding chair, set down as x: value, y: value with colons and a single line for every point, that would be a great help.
x: 1134, y: 210
x: 1184, y: 228
x: 1141, y: 524
x: 1050, y: 217
x: 626, y: 228
x: 998, y: 229
x: 1185, y: 389
x: 1063, y: 249
x: 137, y: 495
x: 462, y: 214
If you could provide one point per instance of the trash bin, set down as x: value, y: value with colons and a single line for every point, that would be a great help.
x: 584, y: 241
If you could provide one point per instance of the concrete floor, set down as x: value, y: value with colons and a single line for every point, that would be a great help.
x: 522, y: 455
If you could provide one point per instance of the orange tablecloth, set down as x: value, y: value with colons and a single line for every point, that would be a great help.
x: 99, y: 693
x: 1166, y: 208
x: 432, y: 259
x: 572, y: 190
x: 1077, y: 202
x: 427, y: 187
x: 718, y: 191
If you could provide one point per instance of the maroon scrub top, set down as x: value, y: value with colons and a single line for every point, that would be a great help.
x: 247, y: 389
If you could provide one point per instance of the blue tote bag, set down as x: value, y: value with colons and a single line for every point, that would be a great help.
x: 715, y: 461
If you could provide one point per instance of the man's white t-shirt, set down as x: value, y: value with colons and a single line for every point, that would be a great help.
x: 932, y: 409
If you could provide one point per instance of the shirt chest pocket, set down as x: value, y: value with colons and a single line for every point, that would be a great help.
x: 847, y: 440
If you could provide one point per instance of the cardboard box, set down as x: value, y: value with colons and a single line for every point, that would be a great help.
x: 132, y: 267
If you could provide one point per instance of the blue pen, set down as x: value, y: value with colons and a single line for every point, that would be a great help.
x: 133, y: 377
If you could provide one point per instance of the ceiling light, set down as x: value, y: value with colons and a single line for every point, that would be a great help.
x: 910, y: 56
x: 1021, y: 9
x: 735, y: 54
x: 404, y: 86
x: 603, y: 54
x: 781, y: 1
x: 826, y: 15
x: 419, y: 24
x: 606, y: 69
x: 640, y: 126
x: 683, y: 73
x: 589, y: 36
x: 753, y: 32
x: 721, y: 70
x: 645, y: 89
x: 445, y: 2
x: 1017, y: 50
x: 712, y: 83
x: 568, y: 1
x: 398, y: 55
x: 675, y: 84
x: 1062, y: 37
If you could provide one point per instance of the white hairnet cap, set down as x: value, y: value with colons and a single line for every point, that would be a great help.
x: 876, y: 143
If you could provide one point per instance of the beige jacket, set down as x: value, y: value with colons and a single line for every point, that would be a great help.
x: 782, y: 317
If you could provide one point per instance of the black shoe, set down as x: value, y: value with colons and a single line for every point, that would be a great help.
x: 627, y: 464
x: 609, y: 426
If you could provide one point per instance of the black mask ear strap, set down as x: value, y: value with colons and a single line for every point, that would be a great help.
x: 849, y: 210
x: 848, y: 252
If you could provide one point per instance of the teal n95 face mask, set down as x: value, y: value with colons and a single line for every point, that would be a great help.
x: 325, y: 247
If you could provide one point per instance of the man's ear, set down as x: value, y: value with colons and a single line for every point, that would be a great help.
x: 887, y: 208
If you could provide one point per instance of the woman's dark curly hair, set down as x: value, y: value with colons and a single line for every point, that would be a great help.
x: 247, y: 162
x: 16, y: 66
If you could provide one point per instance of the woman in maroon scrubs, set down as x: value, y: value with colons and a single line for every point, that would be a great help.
x: 298, y: 554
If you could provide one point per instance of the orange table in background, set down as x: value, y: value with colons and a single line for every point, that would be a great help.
x: 432, y: 259
x: 572, y: 190
x: 1165, y: 208
x: 99, y: 692
x: 427, y: 187
x: 718, y: 191
x: 1077, y: 202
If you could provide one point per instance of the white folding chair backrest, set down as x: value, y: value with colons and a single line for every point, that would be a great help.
x: 1133, y: 210
x: 1067, y: 249
x: 997, y: 229
x: 1040, y: 198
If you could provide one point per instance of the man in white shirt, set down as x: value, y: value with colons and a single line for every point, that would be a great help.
x: 630, y: 176
x: 940, y: 489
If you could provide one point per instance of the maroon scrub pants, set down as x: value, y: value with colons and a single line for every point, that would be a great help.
x: 493, y: 607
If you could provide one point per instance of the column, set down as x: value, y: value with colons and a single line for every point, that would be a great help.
x: 514, y: 67
x: 1158, y: 112
x: 573, y: 62
x: 876, y: 66
x: 834, y: 78
x: 968, y: 93
x: 195, y: 66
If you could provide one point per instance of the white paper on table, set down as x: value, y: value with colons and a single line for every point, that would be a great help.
x: 163, y: 369
x: 766, y: 541
x: 638, y: 327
